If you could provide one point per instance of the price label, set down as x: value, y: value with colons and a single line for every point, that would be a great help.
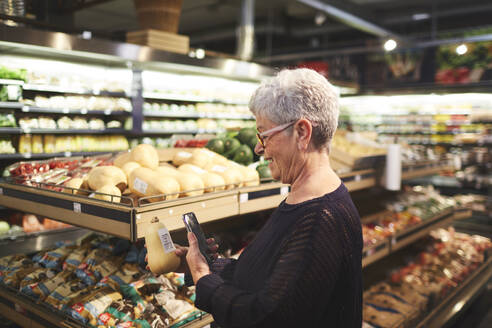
x: 166, y: 240
x: 67, y: 154
x: 357, y: 178
x: 1, y: 191
x: 107, y: 112
x: 371, y: 251
x: 77, y: 208
x: 83, y: 111
x: 243, y: 198
x: 26, y: 130
x: 27, y: 155
x: 140, y: 185
x: 284, y: 190
x: 65, y: 110
x: 393, y: 241
x: 25, y: 109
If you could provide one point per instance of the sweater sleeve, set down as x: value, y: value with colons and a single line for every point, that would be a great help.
x: 223, y: 267
x: 304, y: 272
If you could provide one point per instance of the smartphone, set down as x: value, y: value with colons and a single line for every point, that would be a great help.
x: 192, y: 225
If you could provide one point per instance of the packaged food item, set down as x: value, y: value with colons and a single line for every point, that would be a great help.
x: 17, y: 270
x: 42, y: 289
x: 73, y: 260
x: 93, y: 305
x: 141, y: 292
x: 85, y: 271
x: 120, y: 313
x: 65, y: 292
x: 55, y: 258
x: 36, y: 276
x: 123, y: 276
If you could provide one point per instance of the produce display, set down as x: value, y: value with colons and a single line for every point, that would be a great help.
x: 89, y: 103
x: 193, y: 125
x: 10, y: 93
x: 416, y: 288
x: 12, y: 74
x: 66, y: 123
x: 100, y: 282
x: 137, y: 174
x: 19, y: 224
x: 198, y: 108
x: 412, y: 208
x: 35, y: 144
x: 6, y: 146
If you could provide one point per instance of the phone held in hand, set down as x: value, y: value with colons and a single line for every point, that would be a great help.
x: 192, y: 225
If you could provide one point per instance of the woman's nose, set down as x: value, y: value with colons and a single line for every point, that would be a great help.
x: 259, y: 150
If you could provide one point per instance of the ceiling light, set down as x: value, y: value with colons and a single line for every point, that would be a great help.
x: 420, y: 16
x: 390, y: 45
x: 461, y: 49
x: 200, y: 53
x: 319, y: 18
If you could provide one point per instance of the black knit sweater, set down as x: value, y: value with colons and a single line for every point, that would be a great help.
x: 303, y: 269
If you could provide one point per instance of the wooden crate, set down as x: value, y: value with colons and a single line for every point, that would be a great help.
x: 160, y: 40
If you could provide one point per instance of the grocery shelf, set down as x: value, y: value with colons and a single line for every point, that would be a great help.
x: 459, y: 298
x: 195, y: 131
x: 188, y: 98
x: 258, y: 198
x: 61, y: 131
x: 415, y: 88
x: 197, y: 115
x: 51, y: 155
x: 42, y: 110
x: 403, y: 238
x: 452, y: 144
x: 357, y: 180
x: 11, y: 82
x: 10, y: 105
x: 79, y: 91
x: 423, y: 169
x: 39, y: 315
x: 28, y: 243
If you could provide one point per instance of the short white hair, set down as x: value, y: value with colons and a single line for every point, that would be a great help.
x: 299, y: 93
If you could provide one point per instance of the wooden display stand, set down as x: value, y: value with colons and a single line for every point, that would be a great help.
x: 161, y: 40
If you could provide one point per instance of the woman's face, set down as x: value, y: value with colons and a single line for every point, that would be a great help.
x: 279, y: 150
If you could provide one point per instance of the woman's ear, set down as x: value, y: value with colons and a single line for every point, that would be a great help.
x: 304, y: 131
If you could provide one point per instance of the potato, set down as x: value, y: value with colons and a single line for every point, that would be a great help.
x: 107, y: 175
x: 145, y: 155
x: 109, y: 190
x: 146, y: 182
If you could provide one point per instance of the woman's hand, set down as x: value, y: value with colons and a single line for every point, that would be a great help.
x: 197, y: 264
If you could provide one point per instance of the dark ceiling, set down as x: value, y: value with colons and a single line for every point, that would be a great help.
x: 284, y: 27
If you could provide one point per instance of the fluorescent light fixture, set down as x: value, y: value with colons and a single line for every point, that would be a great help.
x: 200, y: 53
x: 390, y: 45
x: 461, y: 49
x: 420, y: 16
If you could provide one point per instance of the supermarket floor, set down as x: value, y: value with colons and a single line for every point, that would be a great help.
x: 479, y: 314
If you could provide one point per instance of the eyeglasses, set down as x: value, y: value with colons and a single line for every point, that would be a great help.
x: 269, y: 133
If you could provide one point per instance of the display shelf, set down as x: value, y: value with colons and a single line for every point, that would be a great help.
x: 426, y: 132
x: 196, y: 131
x: 357, y: 180
x: 79, y: 91
x: 50, y: 155
x: 42, y: 110
x: 452, y: 144
x: 11, y: 82
x: 375, y: 252
x: 413, y: 88
x: 28, y: 243
x: 198, y: 115
x: 188, y: 98
x: 40, y: 315
x: 61, y: 131
x: 403, y: 238
x: 423, y: 169
x: 10, y: 105
x: 253, y: 199
x: 459, y: 298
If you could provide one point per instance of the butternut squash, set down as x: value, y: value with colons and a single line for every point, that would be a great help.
x: 250, y: 176
x: 181, y: 157
x: 75, y: 183
x: 190, y: 184
x: 121, y: 159
x: 160, y: 259
x: 146, y: 182
x: 166, y: 170
x: 232, y: 175
x: 109, y: 190
x: 145, y: 155
x: 106, y: 175
x: 128, y: 167
x: 211, y: 181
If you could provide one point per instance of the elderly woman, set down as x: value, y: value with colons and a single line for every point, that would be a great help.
x: 303, y: 269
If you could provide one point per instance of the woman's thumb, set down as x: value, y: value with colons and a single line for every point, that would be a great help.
x: 191, y: 238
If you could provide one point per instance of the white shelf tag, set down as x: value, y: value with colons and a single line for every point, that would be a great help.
x: 371, y: 251
x: 25, y: 109
x: 1, y: 191
x: 393, y: 241
x: 357, y: 178
x: 83, y: 111
x: 140, y: 185
x: 65, y: 110
x: 284, y: 190
x: 166, y: 240
x: 77, y: 208
x: 67, y: 154
x: 107, y: 112
x: 243, y: 198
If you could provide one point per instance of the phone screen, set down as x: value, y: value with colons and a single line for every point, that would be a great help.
x: 192, y: 225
